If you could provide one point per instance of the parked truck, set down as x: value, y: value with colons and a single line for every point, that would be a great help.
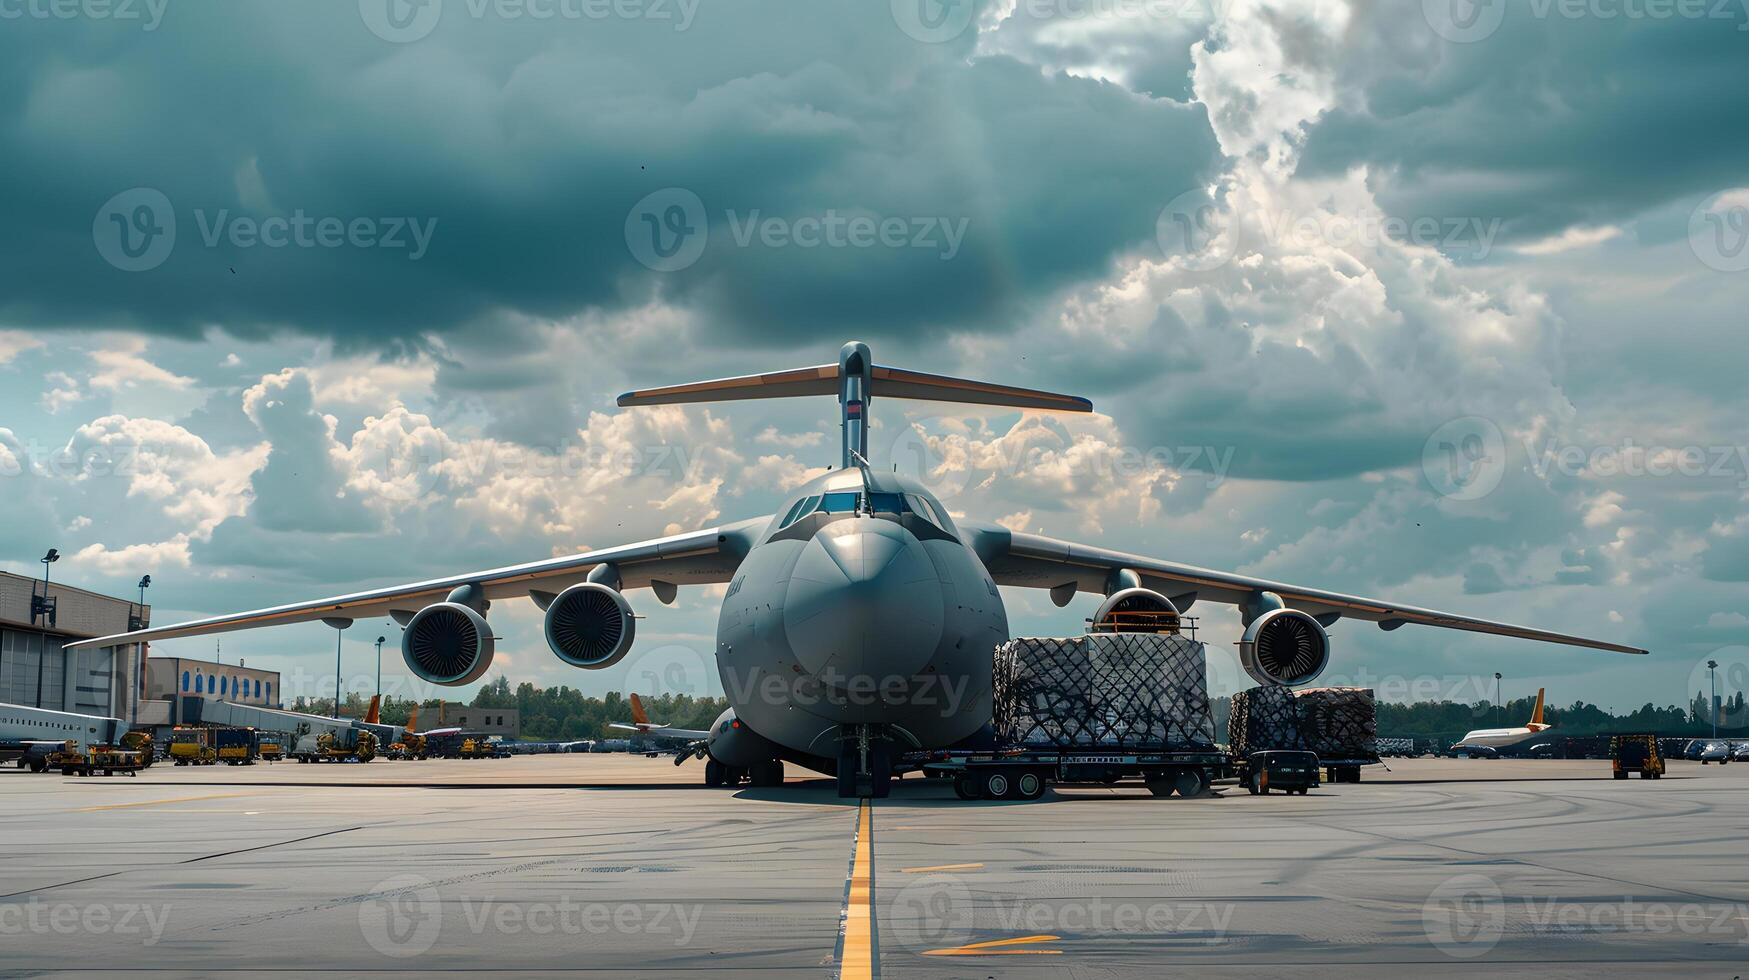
x: 1095, y: 709
x: 351, y: 745
x: 235, y: 746
x: 192, y: 745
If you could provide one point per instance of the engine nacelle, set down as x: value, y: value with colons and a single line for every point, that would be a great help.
x: 447, y: 643
x: 1136, y: 610
x: 1284, y: 646
x: 590, y: 626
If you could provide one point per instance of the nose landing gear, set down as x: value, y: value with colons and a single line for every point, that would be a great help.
x: 865, y: 762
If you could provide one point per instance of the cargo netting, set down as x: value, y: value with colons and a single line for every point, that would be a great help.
x: 1335, y: 722
x: 1132, y: 691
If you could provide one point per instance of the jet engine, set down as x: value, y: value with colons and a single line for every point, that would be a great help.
x: 447, y: 643
x: 590, y: 625
x: 1284, y: 646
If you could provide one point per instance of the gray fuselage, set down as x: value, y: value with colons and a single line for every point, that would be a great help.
x: 860, y: 604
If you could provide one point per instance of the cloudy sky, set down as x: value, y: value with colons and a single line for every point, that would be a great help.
x: 1437, y: 301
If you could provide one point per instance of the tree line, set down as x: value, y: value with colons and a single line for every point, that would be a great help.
x: 565, y: 713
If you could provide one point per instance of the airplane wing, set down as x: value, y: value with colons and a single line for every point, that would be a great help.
x: 663, y: 731
x: 1065, y: 568
x: 695, y: 558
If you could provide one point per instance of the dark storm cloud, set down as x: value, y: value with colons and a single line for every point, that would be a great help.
x: 491, y: 168
x: 1548, y: 122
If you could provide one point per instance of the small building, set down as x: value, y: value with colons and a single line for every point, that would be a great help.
x: 173, y: 677
x: 503, y: 722
x: 37, y: 671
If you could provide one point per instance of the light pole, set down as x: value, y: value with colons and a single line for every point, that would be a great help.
x: 380, y: 641
x: 339, y: 625
x: 1500, y: 711
x: 145, y: 583
x: 44, y: 606
x: 1712, y: 706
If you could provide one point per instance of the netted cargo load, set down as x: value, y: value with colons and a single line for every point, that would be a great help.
x: 1339, y: 722
x: 1335, y: 722
x: 1131, y: 691
x: 1265, y: 718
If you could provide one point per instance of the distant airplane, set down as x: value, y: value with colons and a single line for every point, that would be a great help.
x: 642, y: 724
x: 859, y: 620
x: 1505, y: 739
x: 27, y: 733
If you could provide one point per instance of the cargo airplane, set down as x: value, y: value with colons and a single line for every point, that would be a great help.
x: 860, y: 619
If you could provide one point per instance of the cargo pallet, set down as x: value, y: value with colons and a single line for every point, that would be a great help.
x: 1024, y: 774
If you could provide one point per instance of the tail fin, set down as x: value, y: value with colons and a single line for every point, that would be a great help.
x: 855, y: 379
x: 373, y: 717
x: 1536, y: 717
x: 638, y: 714
x: 413, y: 717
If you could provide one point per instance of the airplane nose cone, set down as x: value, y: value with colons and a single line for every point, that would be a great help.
x: 864, y: 600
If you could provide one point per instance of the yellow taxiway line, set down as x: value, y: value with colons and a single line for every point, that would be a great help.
x: 857, y: 960
x: 180, y: 799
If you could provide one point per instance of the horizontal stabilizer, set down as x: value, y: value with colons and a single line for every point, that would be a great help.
x: 884, y: 382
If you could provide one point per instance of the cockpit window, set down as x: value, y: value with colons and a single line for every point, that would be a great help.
x: 886, y: 503
x: 839, y: 503
x: 799, y: 510
x: 923, y: 509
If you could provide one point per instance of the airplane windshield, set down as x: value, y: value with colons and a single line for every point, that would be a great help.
x: 839, y: 503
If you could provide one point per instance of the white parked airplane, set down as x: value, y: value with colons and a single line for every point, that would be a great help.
x: 1504, y: 739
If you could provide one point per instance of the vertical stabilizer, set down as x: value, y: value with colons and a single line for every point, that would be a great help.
x: 374, y: 716
x: 1536, y: 717
x: 638, y: 715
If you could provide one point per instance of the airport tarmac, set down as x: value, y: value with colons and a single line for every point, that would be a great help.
x: 622, y: 864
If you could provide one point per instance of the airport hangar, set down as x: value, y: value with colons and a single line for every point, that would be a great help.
x: 122, y: 681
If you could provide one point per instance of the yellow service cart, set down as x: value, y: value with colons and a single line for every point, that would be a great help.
x: 1636, y: 753
x: 192, y: 746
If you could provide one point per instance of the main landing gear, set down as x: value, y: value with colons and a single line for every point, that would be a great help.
x: 766, y: 773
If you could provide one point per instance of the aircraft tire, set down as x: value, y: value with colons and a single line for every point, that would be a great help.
x: 965, y: 786
x: 713, y: 772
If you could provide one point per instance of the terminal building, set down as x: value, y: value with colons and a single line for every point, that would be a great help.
x: 37, y: 672
x: 168, y: 678
x: 503, y: 722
